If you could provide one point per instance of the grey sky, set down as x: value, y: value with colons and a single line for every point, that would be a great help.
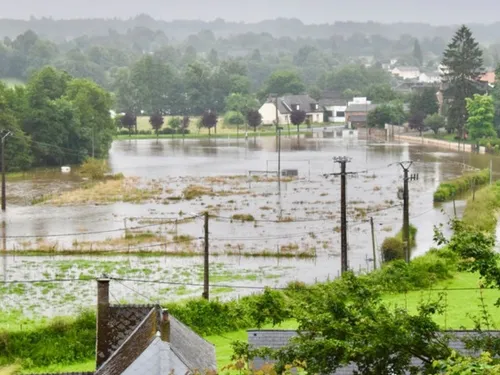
x: 437, y: 12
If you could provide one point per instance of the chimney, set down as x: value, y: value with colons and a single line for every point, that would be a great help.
x: 102, y: 322
x: 165, y: 326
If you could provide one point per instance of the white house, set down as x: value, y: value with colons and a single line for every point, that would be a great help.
x: 334, y: 109
x: 406, y: 72
x: 286, y: 105
x: 429, y: 77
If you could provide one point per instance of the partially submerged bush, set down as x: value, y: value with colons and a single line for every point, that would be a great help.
x: 243, y: 217
x: 392, y: 249
x: 94, y: 169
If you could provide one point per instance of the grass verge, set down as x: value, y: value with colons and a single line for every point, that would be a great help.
x: 480, y: 211
x: 448, y: 190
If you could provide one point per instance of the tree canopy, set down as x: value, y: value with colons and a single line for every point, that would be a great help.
x: 481, y: 115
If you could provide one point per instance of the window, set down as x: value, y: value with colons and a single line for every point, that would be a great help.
x: 340, y: 114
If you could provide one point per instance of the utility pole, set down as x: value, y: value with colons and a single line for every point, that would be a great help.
x: 373, y: 245
x: 4, y: 202
x: 343, y: 160
x: 406, y: 210
x: 206, y: 264
x: 279, y: 157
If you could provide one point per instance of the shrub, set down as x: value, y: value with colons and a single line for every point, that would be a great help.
x: 392, y: 249
x: 94, y: 169
x: 243, y: 217
x: 449, y: 189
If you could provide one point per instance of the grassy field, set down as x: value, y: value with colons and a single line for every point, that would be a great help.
x: 87, y: 366
x: 223, y: 131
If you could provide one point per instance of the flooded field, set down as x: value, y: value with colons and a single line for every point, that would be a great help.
x: 261, y: 232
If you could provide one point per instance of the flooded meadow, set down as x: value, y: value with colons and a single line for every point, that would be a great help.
x: 146, y: 230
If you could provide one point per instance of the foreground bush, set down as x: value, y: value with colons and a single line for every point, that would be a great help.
x: 94, y: 169
x: 449, y: 189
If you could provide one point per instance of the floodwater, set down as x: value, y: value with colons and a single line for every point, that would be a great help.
x: 302, y: 215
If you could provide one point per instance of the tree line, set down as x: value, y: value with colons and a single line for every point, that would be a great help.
x: 54, y: 120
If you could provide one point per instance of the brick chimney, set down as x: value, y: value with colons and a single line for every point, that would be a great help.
x: 165, y: 326
x: 102, y: 322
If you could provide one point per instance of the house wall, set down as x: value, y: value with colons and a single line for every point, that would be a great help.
x: 336, y: 116
x: 268, y: 113
x: 316, y: 117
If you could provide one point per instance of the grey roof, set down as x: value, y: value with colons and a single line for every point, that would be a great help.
x: 276, y: 339
x: 357, y: 118
x: 194, y: 351
x: 360, y: 107
x: 407, y: 68
x: 327, y: 102
x: 286, y: 103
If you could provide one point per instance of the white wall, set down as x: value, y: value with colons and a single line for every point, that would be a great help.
x: 335, y: 113
x: 268, y: 113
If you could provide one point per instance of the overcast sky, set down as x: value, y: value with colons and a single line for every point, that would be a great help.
x: 437, y: 12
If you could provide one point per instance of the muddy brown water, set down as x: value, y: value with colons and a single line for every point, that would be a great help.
x: 312, y: 201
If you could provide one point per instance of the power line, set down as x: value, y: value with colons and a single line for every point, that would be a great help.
x: 99, y: 232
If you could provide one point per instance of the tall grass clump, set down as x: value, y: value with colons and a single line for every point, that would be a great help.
x: 449, y: 189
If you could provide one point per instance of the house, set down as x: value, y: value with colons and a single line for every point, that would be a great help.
x: 276, y: 339
x: 145, y: 339
x: 488, y: 77
x: 286, y: 105
x: 356, y: 113
x: 429, y: 77
x: 406, y: 72
x: 334, y: 109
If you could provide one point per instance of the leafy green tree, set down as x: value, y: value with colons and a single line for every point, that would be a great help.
x: 156, y: 120
x: 380, y: 93
x: 460, y: 365
x: 18, y: 155
x: 175, y: 123
x: 241, y: 103
x: 495, y: 93
x: 254, y: 119
x: 297, y: 117
x: 417, y: 54
x: 434, y: 122
x: 464, y: 63
x: 424, y: 102
x: 283, y: 82
x: 392, y: 113
x: 481, y: 114
x: 95, y: 127
x: 234, y: 118
x: 209, y: 120
x: 348, y: 323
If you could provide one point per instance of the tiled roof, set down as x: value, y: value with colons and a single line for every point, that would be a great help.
x: 326, y: 102
x: 488, y: 77
x: 286, y: 103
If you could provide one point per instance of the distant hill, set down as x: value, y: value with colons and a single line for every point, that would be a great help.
x: 61, y: 30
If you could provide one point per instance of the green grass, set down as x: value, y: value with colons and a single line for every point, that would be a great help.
x: 87, y: 366
x: 480, y: 211
x: 223, y: 349
x: 462, y: 305
x: 450, y: 189
x: 448, y: 137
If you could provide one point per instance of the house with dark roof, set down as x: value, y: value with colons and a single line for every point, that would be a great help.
x: 276, y: 339
x: 286, y: 105
x: 334, y: 109
x: 145, y: 339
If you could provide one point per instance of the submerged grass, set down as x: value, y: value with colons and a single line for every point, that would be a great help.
x: 109, y: 191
